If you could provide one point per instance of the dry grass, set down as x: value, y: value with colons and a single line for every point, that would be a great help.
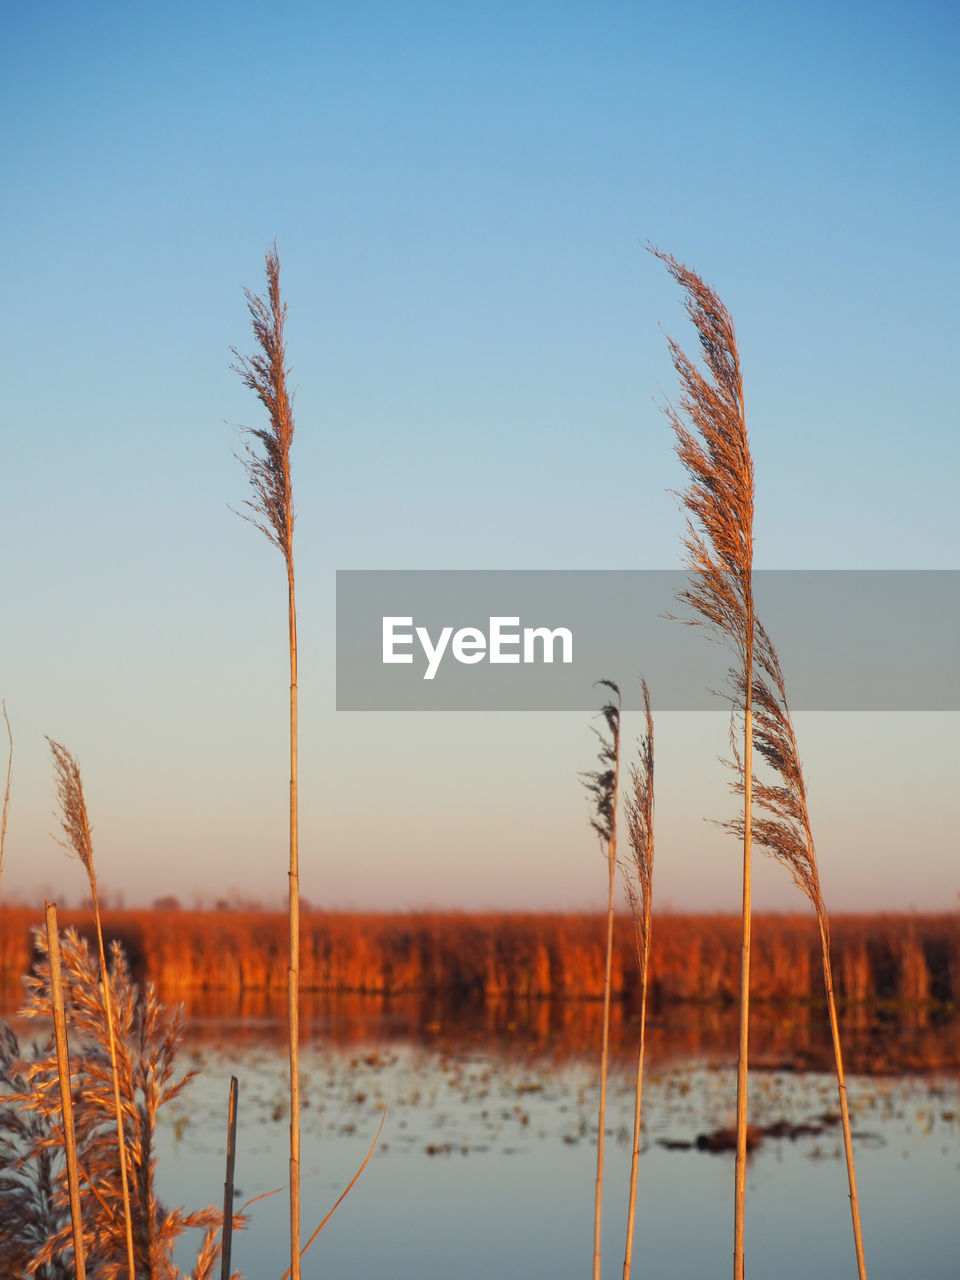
x: 715, y: 454
x: 267, y: 462
x: 32, y: 1204
x: 639, y: 878
x: 79, y: 838
x: 66, y: 1088
x: 784, y: 831
x: 35, y: 1230
x: 603, y: 785
x: 906, y: 961
x: 265, y: 374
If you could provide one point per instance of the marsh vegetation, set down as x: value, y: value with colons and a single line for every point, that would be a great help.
x: 483, y: 1029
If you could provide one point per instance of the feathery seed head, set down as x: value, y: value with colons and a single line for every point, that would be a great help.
x: 713, y: 448
x: 601, y: 783
x: 265, y: 374
x: 639, y: 871
x: 73, y: 808
x: 782, y: 826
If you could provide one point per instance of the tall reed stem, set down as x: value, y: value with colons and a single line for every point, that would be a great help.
x: 604, y: 1054
x: 637, y: 1132
x: 719, y: 542
x: 746, y: 916
x: 640, y: 890
x: 66, y: 1094
x: 293, y: 977
x: 603, y: 785
x: 265, y: 373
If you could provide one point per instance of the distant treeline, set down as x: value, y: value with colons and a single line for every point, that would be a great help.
x: 906, y: 959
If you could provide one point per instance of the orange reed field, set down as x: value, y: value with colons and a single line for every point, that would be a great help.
x: 534, y: 982
x: 907, y: 959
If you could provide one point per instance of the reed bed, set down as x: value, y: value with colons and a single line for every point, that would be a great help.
x: 911, y: 961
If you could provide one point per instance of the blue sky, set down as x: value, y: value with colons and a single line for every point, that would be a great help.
x: 460, y: 197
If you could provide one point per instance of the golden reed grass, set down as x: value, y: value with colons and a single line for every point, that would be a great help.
x: 639, y: 878
x: 267, y: 462
x: 79, y: 838
x: 715, y: 454
x: 35, y: 1225
x: 783, y: 830
x: 66, y: 1089
x: 603, y: 786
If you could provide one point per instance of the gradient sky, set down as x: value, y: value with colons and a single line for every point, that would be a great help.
x: 460, y: 197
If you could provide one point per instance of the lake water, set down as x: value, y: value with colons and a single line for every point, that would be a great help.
x: 486, y: 1163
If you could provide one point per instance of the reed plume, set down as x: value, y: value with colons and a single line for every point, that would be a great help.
x: 782, y: 828
x: 639, y: 878
x: 79, y: 837
x: 267, y: 463
x: 35, y: 1183
x: 265, y: 374
x: 603, y: 785
x: 715, y: 454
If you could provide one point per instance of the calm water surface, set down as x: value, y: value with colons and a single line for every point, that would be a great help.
x: 486, y: 1163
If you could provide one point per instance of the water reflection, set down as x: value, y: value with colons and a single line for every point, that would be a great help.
x: 877, y: 1039
x: 487, y: 1158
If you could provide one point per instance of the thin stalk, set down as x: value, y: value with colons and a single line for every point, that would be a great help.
x: 228, y: 1182
x: 746, y: 923
x: 715, y: 453
x: 268, y: 469
x: 293, y: 977
x: 842, y: 1091
x: 637, y: 1124
x: 639, y: 877
x: 76, y: 826
x: 66, y: 1095
x: 603, y: 785
x: 343, y: 1194
x: 111, y: 1032
x: 604, y: 1054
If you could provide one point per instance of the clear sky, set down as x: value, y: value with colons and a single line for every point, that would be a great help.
x: 460, y: 195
